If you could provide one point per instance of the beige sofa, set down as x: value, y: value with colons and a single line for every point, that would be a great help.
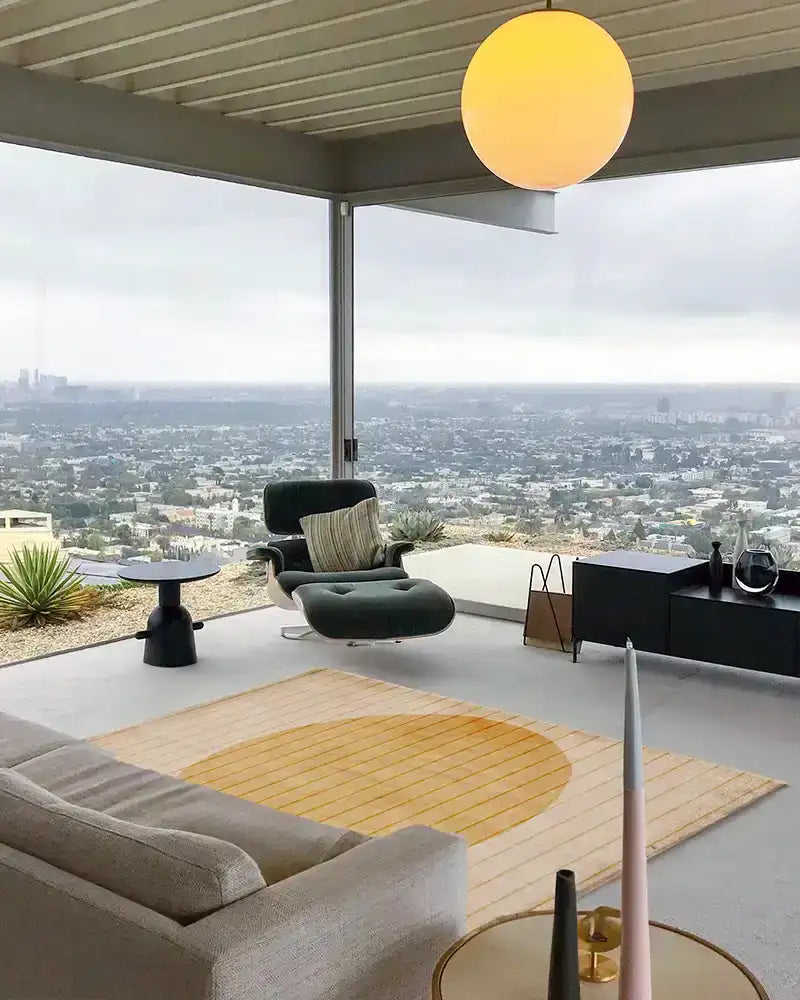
x: 116, y: 882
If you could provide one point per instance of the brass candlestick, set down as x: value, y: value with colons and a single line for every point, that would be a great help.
x: 598, y: 932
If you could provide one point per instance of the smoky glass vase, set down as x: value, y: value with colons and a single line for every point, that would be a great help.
x: 756, y: 572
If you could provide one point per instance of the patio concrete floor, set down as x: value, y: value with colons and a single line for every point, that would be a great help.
x: 737, y: 884
x: 488, y: 580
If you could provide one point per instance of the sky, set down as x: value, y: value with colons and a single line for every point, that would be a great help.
x: 110, y: 272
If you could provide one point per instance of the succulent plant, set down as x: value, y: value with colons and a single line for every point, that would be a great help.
x: 37, y: 587
x: 413, y: 525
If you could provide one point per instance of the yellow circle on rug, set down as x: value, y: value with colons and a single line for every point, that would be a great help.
x: 464, y: 774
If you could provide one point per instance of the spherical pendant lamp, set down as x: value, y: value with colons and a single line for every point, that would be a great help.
x: 547, y: 99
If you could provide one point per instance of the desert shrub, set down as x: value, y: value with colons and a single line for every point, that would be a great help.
x: 503, y: 535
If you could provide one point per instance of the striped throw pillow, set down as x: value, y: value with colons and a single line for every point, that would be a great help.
x: 344, y: 540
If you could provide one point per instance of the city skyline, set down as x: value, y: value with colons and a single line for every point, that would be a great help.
x: 133, y: 275
x: 183, y: 472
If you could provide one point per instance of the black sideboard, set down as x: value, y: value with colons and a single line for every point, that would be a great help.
x: 618, y: 595
x: 664, y: 605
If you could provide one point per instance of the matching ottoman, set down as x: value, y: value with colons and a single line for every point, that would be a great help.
x: 381, y: 610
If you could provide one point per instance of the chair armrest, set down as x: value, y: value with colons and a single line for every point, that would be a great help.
x: 369, y: 924
x: 288, y: 554
x: 395, y: 552
x: 274, y: 556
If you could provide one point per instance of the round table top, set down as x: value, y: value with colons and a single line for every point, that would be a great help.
x: 509, y: 959
x: 168, y: 571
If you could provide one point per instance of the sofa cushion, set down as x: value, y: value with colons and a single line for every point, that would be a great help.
x: 282, y: 845
x: 345, y: 539
x: 21, y: 740
x: 181, y: 875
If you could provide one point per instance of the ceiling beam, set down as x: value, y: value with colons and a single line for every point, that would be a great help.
x: 171, y: 23
x: 644, y: 79
x: 737, y: 120
x: 527, y: 211
x: 46, y: 19
x: 449, y: 75
x: 357, y: 45
x: 375, y: 126
x: 741, y: 119
x: 7, y: 4
x: 722, y: 122
x: 359, y: 70
x: 450, y: 96
x: 358, y: 115
x: 171, y: 71
x: 55, y: 113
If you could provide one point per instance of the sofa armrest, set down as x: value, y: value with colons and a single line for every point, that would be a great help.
x: 395, y: 552
x: 369, y: 924
x: 62, y: 936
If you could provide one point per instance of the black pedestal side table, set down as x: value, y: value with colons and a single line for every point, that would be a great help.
x: 169, y: 636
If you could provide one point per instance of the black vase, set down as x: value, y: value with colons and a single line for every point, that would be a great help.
x: 715, y: 569
x: 756, y: 572
x: 564, y: 982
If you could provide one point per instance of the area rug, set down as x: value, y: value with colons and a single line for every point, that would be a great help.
x: 529, y: 797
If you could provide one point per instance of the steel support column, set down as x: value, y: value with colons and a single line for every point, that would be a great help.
x: 344, y: 447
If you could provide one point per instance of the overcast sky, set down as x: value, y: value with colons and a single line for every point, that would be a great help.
x: 139, y: 275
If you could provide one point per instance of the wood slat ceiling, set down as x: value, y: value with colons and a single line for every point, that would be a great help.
x: 343, y: 68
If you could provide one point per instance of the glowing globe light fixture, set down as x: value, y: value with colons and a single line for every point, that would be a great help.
x: 547, y: 99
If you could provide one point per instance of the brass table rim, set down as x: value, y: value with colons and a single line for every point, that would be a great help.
x: 458, y: 945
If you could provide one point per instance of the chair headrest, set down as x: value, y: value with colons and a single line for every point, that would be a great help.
x: 286, y: 503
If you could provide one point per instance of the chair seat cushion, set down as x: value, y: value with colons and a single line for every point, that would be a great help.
x: 290, y: 580
x: 184, y: 876
x: 281, y: 844
x: 379, y: 609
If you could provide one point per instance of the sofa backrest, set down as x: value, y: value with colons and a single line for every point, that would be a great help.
x: 184, y: 876
x: 21, y: 740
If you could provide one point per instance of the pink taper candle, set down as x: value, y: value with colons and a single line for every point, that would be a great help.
x: 635, y: 980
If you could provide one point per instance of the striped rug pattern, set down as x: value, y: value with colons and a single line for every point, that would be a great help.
x: 530, y: 797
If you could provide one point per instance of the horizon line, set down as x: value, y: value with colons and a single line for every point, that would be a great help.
x: 706, y: 383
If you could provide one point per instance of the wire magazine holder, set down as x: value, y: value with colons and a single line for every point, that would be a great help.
x: 562, y: 598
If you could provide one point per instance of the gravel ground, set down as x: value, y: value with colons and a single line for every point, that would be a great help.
x: 566, y: 544
x: 238, y: 587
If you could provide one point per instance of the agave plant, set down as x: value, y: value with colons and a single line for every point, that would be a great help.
x: 416, y: 526
x: 37, y: 587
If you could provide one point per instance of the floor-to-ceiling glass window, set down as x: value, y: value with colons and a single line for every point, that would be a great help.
x: 164, y: 354
x: 631, y: 381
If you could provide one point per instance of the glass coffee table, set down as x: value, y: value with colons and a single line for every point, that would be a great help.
x: 169, y: 636
x: 509, y: 959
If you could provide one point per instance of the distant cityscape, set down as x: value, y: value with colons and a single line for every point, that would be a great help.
x: 154, y: 471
